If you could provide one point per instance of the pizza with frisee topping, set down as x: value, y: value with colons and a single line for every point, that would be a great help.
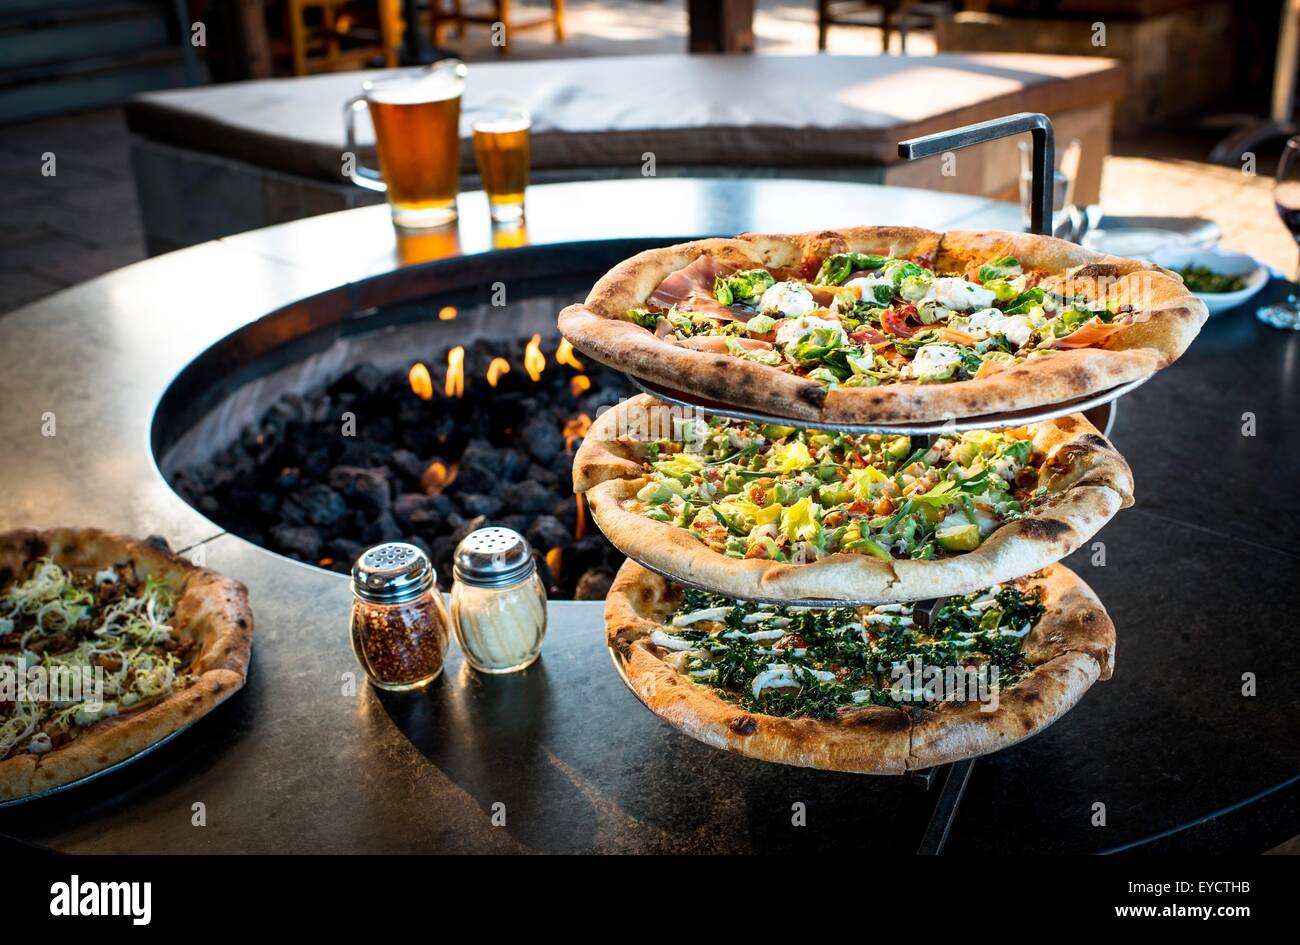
x: 879, y: 324
x: 872, y: 689
x: 107, y: 645
x: 759, y: 510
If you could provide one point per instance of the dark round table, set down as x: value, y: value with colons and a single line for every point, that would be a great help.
x: 1202, y: 579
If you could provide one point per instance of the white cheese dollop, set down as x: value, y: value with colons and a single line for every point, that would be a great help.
x: 990, y: 321
x: 669, y: 642
x: 934, y: 359
x: 866, y: 285
x: 1016, y: 328
x: 756, y: 635
x: 792, y: 330
x: 780, y: 675
x: 789, y: 298
x: 708, y: 613
x: 87, y: 716
x: 106, y: 576
x: 958, y: 295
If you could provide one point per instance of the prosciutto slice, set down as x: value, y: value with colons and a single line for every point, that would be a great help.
x: 1090, y: 334
x: 691, y: 290
x: 717, y: 344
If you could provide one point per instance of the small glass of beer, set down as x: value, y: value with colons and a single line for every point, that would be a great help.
x: 501, y: 149
x: 416, y: 116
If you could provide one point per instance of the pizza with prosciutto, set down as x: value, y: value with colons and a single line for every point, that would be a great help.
x: 873, y: 689
x: 885, y: 324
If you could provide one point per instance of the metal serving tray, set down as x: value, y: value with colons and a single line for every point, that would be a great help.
x: 14, y: 802
x: 1015, y: 418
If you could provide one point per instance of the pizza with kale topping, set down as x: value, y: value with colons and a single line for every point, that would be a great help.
x: 885, y: 325
x: 107, y: 645
x: 879, y: 690
x: 765, y: 511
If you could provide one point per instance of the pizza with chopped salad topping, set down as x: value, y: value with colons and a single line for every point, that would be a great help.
x: 885, y: 325
x: 107, y: 645
x: 766, y: 511
x: 880, y: 689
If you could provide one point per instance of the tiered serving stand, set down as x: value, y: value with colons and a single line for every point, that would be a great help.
x: 1099, y: 407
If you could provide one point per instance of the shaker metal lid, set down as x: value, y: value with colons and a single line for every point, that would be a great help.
x: 493, y: 557
x: 392, y: 572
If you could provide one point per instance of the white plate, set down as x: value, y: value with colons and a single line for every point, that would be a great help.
x: 1134, y: 241
x: 1221, y: 261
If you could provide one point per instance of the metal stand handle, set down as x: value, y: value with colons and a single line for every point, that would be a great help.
x: 1038, y: 125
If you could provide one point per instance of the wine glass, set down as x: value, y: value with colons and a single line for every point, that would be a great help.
x: 1286, y: 196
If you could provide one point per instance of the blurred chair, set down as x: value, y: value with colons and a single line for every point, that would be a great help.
x: 849, y: 13
x: 444, y: 13
x: 333, y: 35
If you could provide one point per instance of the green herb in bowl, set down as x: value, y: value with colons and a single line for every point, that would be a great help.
x: 1203, y: 279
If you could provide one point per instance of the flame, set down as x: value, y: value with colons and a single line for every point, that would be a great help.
x: 579, y: 384
x: 534, y: 360
x: 553, y: 560
x: 447, y: 313
x: 455, y: 386
x: 421, y: 382
x: 580, y: 526
x: 437, y: 477
x: 498, y: 367
x: 575, y: 429
x: 564, y: 355
x: 325, y: 562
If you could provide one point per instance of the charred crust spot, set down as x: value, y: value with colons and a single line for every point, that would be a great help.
x: 1044, y: 529
x: 1094, y: 439
x: 813, y: 394
x: 241, y: 623
x: 743, y: 725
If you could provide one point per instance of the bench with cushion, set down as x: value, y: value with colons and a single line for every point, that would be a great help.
x: 221, y: 159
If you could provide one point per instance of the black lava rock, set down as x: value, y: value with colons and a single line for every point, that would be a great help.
x: 477, y: 503
x: 363, y: 488
x: 317, y: 504
x: 301, y: 541
x: 542, y: 439
x: 529, y: 498
x: 547, y: 532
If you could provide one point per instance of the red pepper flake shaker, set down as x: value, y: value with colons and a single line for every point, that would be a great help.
x: 399, y: 628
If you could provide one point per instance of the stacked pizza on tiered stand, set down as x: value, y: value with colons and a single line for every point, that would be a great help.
x: 845, y: 493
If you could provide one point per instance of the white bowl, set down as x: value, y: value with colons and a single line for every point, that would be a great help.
x: 1221, y: 261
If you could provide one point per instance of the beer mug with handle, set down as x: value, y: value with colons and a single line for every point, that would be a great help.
x: 416, y: 116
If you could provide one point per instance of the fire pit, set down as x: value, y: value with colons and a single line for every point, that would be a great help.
x: 419, y: 420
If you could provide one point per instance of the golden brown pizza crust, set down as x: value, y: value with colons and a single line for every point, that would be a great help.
x: 1072, y: 646
x: 1088, y: 481
x: 1168, y: 319
x: 211, y: 610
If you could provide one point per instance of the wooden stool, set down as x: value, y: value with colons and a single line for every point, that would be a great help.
x: 336, y: 24
x: 440, y: 18
x: 831, y: 14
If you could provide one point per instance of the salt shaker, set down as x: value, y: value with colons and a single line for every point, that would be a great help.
x: 498, y: 601
x: 399, y: 626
